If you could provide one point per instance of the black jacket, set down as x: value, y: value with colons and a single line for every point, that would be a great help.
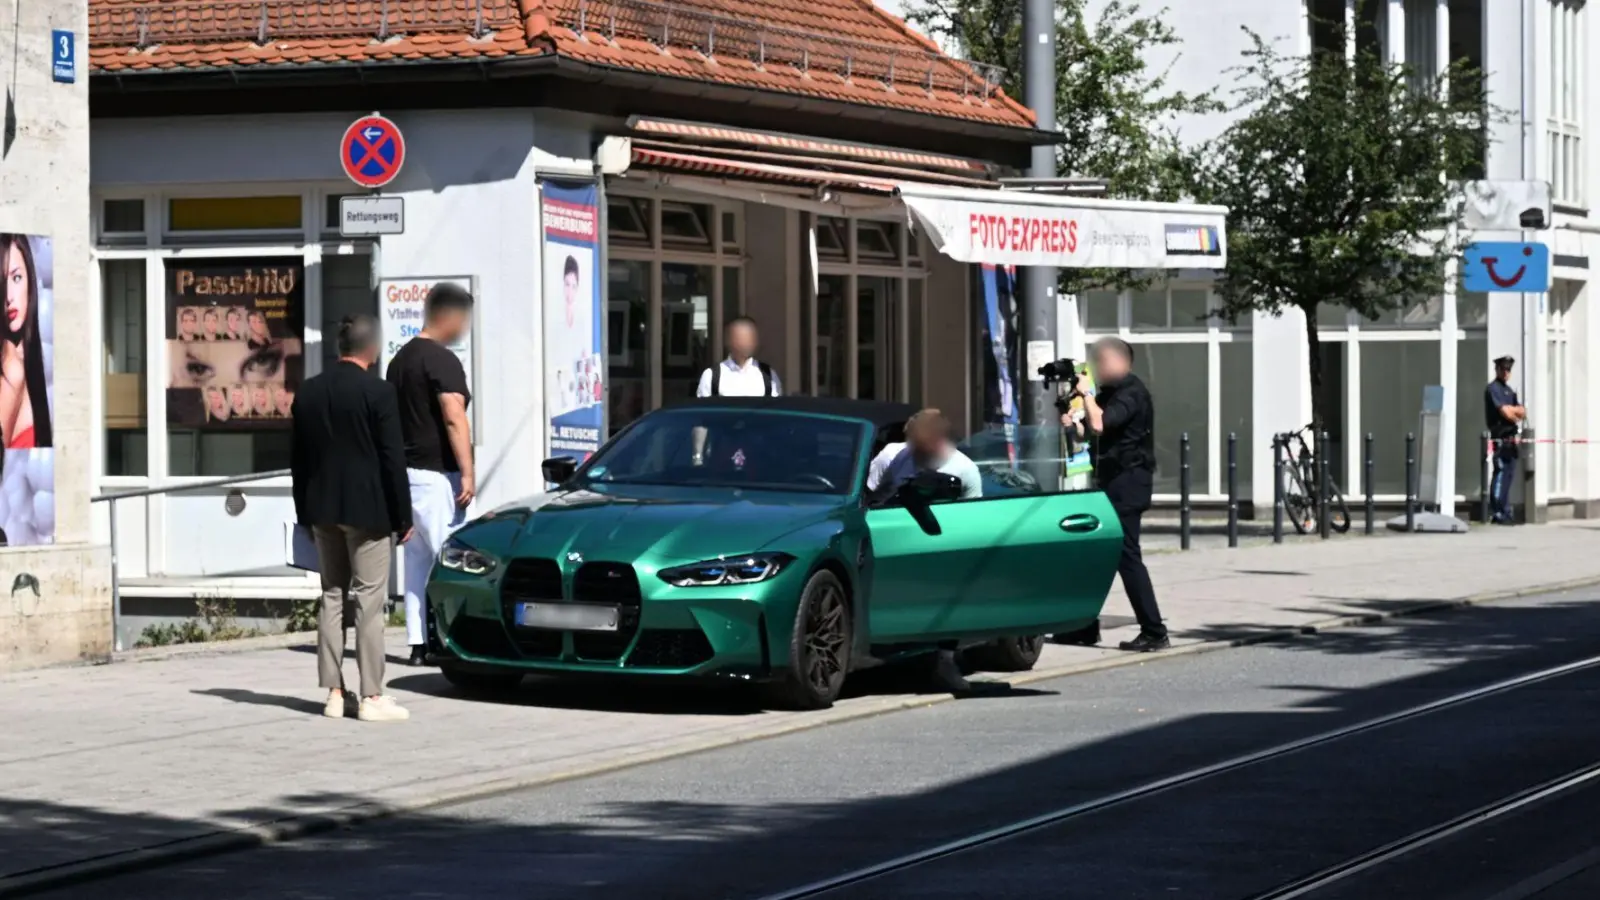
x: 1126, y: 445
x: 349, y: 459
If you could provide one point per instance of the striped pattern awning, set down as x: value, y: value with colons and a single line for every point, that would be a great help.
x: 720, y: 134
x: 701, y: 164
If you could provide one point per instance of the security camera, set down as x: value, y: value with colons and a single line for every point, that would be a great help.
x: 1532, y: 218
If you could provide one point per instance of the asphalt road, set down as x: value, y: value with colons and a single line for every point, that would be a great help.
x: 754, y: 820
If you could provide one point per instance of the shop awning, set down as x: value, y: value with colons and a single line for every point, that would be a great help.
x: 1022, y: 228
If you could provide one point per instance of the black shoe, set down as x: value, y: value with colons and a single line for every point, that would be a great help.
x: 1146, y: 643
x: 419, y: 655
x: 1087, y: 636
x: 947, y: 674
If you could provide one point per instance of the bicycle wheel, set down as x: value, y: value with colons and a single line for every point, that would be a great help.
x: 1338, y: 510
x: 1298, y: 505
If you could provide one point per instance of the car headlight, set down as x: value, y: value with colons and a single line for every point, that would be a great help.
x: 458, y: 557
x: 744, y: 569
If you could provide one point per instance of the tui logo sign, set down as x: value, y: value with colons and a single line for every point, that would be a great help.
x: 1193, y: 240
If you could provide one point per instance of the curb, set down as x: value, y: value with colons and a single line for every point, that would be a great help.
x: 255, y: 836
x: 224, y: 648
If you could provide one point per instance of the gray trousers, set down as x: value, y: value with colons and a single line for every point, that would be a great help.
x: 356, y: 561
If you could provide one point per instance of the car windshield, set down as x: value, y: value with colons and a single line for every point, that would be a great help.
x: 1000, y: 452
x: 732, y: 448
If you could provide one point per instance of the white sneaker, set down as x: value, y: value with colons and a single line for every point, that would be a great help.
x: 335, y: 707
x: 381, y: 709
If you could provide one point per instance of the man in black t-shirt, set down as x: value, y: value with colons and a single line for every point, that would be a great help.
x: 433, y: 392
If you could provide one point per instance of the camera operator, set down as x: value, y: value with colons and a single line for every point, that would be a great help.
x: 1121, y: 416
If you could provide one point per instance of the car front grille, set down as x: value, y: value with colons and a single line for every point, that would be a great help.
x: 481, y: 637
x: 615, y: 584
x: 531, y: 579
x: 670, y: 648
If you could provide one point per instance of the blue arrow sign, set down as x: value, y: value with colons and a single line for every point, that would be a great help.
x: 1502, y: 268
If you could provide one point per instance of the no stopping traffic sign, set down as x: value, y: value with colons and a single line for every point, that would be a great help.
x: 372, y: 151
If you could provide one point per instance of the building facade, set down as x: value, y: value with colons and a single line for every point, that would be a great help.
x: 59, y: 606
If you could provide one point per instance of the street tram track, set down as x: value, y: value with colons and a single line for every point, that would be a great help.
x: 1300, y: 886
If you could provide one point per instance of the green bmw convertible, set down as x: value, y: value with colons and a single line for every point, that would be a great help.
x: 733, y: 538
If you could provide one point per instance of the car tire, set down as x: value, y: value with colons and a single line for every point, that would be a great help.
x: 819, y: 647
x: 474, y: 681
x: 1012, y: 654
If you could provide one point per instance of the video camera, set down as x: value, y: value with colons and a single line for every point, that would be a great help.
x: 1061, y: 372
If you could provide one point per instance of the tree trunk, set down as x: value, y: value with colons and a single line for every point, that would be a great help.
x: 1314, y: 364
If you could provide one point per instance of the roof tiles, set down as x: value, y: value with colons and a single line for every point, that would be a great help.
x: 846, y: 50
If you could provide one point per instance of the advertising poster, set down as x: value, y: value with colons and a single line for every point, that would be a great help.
x: 402, y: 314
x: 27, y: 393
x: 997, y: 327
x: 573, y: 353
x: 234, y: 351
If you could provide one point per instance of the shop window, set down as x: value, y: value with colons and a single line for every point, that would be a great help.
x: 917, y: 318
x: 1472, y: 378
x: 1332, y: 315
x: 1393, y: 374
x: 1191, y: 308
x: 199, y: 214
x: 685, y: 329
x: 685, y: 225
x: 235, y: 358
x: 732, y: 294
x: 732, y: 230
x: 627, y: 353
x: 1098, y: 310
x: 122, y: 218
x: 126, y: 428
x: 1177, y: 377
x: 833, y: 238
x: 628, y: 221
x: 877, y: 242
x: 1148, y: 310
x: 831, y: 325
x: 346, y: 291
x: 1236, y: 392
x: 331, y: 216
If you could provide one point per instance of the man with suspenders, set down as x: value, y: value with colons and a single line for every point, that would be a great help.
x: 740, y: 375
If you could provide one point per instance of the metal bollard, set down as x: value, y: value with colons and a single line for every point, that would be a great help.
x: 1233, y: 490
x: 1183, y: 491
x: 1366, y: 480
x: 1277, y: 489
x: 1487, y: 473
x: 1323, y: 526
x: 1411, y: 482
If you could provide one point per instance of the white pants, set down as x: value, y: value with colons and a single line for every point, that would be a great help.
x: 434, y: 514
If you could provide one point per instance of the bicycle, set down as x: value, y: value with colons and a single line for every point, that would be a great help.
x: 1299, y: 488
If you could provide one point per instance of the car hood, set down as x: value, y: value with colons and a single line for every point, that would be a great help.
x: 643, y: 523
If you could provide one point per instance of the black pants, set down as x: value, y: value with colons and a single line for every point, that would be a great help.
x: 1129, y: 493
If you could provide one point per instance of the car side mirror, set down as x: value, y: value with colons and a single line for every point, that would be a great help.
x: 559, y: 469
x: 929, y: 487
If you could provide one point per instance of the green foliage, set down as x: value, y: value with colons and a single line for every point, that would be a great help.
x: 217, y: 620
x: 302, y: 615
x: 1113, y: 107
x: 1338, y: 179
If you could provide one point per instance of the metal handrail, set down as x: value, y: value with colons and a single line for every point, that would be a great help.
x: 111, y: 500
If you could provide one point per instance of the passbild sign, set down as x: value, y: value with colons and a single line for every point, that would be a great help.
x: 1074, y: 234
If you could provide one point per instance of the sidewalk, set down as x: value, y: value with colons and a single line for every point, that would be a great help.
x: 189, y: 751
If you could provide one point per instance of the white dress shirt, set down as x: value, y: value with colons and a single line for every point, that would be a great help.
x: 955, y: 463
x: 740, y: 381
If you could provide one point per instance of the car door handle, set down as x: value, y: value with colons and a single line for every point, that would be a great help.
x: 1080, y: 524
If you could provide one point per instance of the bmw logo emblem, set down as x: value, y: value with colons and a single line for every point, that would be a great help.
x: 574, y: 558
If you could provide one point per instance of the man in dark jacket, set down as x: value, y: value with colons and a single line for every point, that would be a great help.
x: 1121, y: 416
x: 1503, y: 416
x: 350, y: 489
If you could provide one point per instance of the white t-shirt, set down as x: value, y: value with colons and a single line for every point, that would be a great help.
x: 740, y: 381
x: 956, y: 463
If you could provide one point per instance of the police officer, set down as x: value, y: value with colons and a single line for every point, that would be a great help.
x: 1503, y: 415
x: 1121, y: 417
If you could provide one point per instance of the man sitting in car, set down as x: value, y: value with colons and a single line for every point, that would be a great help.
x: 927, y: 447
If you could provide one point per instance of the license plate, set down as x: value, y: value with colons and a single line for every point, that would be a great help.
x: 567, y: 616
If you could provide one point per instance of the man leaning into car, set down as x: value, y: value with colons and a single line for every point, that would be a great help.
x: 927, y: 448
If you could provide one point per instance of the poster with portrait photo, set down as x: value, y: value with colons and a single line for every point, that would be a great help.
x: 27, y: 391
x: 234, y: 352
x: 574, y: 356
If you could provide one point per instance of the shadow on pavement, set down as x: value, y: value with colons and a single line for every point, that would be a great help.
x: 696, y: 847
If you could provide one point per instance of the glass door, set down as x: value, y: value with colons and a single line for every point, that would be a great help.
x: 881, y: 339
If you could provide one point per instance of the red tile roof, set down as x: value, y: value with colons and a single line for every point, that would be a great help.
x: 847, y: 50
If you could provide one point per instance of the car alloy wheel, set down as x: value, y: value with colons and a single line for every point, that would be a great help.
x: 819, y: 647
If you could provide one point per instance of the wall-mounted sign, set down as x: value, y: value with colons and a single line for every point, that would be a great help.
x: 1494, y: 268
x: 372, y: 151
x: 63, y: 56
x: 370, y: 216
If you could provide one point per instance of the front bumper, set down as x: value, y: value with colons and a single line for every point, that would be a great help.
x: 665, y: 631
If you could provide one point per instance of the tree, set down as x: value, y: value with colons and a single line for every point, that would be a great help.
x: 1339, y: 179
x: 1113, y: 109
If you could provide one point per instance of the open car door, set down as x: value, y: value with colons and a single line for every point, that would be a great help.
x: 1019, y: 561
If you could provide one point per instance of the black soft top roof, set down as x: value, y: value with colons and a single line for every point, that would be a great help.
x: 880, y: 413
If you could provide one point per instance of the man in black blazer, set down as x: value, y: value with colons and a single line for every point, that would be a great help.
x: 350, y: 489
